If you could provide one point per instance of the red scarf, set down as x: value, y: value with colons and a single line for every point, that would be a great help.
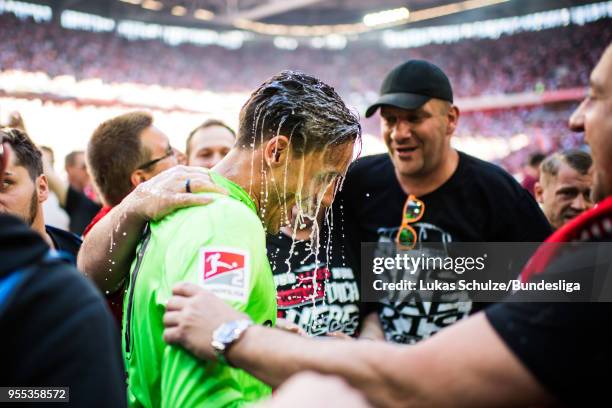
x: 595, y: 224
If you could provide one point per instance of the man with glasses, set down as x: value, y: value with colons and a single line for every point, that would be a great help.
x: 128, y: 156
x: 423, y: 190
x: 126, y: 151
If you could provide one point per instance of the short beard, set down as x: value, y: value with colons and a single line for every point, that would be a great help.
x: 33, y: 210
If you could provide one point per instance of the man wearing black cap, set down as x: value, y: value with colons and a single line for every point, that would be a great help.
x: 465, y: 199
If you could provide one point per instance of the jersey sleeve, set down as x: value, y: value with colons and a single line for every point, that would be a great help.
x: 221, y: 248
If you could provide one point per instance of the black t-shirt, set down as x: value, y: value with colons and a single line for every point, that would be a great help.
x: 566, y: 346
x: 80, y: 209
x: 479, y: 203
x: 56, y: 328
x: 65, y: 241
x: 333, y: 305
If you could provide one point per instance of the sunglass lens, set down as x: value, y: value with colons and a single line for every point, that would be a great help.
x: 413, y: 210
x: 406, y: 237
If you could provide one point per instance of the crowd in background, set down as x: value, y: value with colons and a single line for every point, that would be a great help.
x: 545, y: 127
x: 475, y: 67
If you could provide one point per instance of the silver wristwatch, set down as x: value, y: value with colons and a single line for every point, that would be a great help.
x: 226, y: 335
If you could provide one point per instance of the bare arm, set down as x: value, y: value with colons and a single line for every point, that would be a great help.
x: 330, y: 391
x: 465, y: 365
x: 109, y: 247
x: 471, y: 373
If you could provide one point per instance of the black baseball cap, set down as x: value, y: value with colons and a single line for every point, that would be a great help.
x: 411, y: 84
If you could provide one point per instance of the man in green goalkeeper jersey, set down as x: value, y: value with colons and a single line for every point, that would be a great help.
x: 295, y: 142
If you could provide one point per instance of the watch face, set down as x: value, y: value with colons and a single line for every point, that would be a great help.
x: 229, y: 332
x: 226, y: 332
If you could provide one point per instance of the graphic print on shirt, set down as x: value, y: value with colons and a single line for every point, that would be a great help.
x: 330, y: 303
x: 225, y: 272
x: 410, y: 319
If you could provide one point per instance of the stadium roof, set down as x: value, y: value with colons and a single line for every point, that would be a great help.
x: 231, y: 14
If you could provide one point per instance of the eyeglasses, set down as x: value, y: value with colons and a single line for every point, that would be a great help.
x: 414, y: 209
x: 169, y: 153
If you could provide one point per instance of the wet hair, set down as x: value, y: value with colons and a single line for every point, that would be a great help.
x: 26, y: 153
x: 206, y: 124
x: 300, y: 107
x: 577, y: 159
x: 115, y: 150
x: 70, y: 159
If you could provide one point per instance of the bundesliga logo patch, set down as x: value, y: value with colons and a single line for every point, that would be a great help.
x: 225, y: 272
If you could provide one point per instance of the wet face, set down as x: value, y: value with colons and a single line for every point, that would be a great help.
x: 19, y: 194
x: 307, y: 186
x: 566, y: 195
x: 418, y: 140
x: 157, y: 143
x: 594, y: 118
x: 209, y: 145
x: 78, y: 177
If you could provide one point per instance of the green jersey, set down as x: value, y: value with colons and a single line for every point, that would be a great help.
x: 220, y: 246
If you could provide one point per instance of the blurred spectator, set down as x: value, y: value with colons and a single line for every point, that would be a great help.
x: 78, y: 176
x: 55, y: 215
x: 209, y: 143
x: 80, y: 208
x: 25, y: 189
x: 531, y: 172
x: 564, y: 187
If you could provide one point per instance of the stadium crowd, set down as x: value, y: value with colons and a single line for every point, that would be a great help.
x: 476, y: 67
x: 210, y: 277
x: 545, y: 128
